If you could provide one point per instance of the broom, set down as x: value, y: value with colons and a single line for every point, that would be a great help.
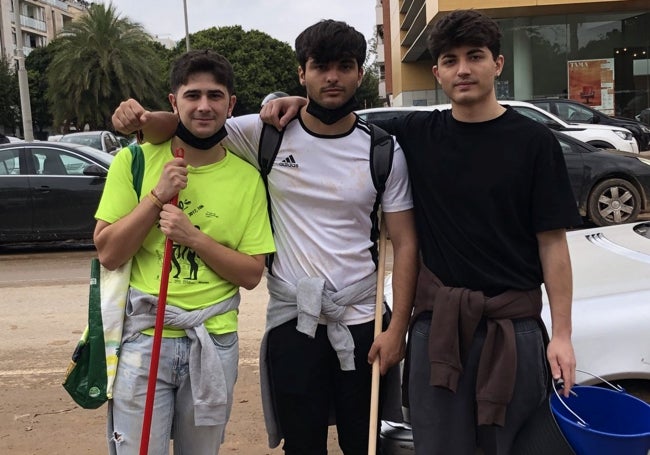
x: 379, y: 307
x: 157, y: 335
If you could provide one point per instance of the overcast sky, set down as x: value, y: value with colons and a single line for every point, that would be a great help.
x: 281, y: 19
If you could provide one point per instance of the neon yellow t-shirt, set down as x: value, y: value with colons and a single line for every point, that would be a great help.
x: 226, y: 200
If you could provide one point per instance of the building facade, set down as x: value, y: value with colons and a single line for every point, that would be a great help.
x: 40, y: 21
x: 594, y: 51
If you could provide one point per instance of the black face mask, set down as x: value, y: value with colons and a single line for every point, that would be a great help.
x: 197, y: 142
x: 331, y: 116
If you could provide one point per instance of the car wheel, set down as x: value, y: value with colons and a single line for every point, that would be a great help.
x: 614, y: 201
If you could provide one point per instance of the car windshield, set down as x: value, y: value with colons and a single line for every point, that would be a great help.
x: 91, y: 141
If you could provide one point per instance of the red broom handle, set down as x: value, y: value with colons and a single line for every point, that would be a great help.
x: 157, y: 335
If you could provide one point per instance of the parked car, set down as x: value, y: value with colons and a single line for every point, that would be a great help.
x: 611, y: 312
x: 50, y: 190
x: 100, y: 140
x: 601, y: 136
x: 124, y: 141
x: 610, y: 186
x: 7, y: 139
x: 575, y: 111
x: 644, y: 116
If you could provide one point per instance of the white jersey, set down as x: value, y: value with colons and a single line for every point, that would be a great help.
x: 323, y: 202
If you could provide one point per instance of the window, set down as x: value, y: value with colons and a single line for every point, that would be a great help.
x: 9, y: 163
x: 59, y: 162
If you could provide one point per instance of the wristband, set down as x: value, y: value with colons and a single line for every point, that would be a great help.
x: 155, y: 200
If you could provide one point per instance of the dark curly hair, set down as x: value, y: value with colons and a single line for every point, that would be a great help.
x: 329, y: 41
x: 461, y: 28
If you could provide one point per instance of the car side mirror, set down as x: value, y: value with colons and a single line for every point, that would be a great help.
x: 553, y: 125
x: 595, y: 119
x: 95, y: 170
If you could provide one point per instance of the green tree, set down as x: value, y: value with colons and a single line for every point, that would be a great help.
x: 37, y: 63
x: 261, y: 63
x: 102, y: 59
x: 9, y: 96
x: 368, y: 93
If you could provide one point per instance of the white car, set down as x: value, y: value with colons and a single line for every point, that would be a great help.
x: 105, y: 141
x: 601, y: 136
x: 611, y: 301
x: 611, y: 311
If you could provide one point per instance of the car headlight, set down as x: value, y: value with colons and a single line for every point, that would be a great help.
x: 624, y: 135
x: 643, y: 160
x: 645, y: 129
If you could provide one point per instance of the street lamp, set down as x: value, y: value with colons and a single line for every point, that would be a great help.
x: 23, y: 83
x: 187, y: 33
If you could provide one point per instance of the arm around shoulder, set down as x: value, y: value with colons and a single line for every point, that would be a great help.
x: 157, y: 127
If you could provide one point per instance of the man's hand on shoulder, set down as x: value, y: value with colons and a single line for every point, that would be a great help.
x: 280, y: 111
x: 129, y: 116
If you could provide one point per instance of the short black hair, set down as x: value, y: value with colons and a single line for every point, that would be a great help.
x: 202, y: 61
x: 464, y: 27
x: 329, y: 41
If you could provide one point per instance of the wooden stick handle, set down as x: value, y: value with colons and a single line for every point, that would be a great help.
x: 379, y: 313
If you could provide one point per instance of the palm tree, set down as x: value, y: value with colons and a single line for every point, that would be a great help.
x: 101, y: 59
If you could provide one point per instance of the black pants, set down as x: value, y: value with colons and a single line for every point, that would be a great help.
x: 307, y: 383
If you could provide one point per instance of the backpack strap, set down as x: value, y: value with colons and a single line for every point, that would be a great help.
x: 137, y: 167
x: 270, y: 140
x: 382, y: 147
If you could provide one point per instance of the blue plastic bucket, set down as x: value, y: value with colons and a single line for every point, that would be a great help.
x: 600, y: 421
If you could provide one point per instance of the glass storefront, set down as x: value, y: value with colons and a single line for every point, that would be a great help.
x: 599, y: 59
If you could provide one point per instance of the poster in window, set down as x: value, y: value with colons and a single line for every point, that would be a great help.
x: 592, y: 82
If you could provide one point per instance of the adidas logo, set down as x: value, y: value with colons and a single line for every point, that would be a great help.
x: 289, y: 162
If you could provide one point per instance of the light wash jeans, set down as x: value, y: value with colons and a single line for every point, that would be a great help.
x: 173, y: 413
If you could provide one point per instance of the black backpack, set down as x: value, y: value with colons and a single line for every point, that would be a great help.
x: 381, y: 154
x: 382, y: 148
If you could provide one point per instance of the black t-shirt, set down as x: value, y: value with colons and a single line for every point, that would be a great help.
x: 481, y: 192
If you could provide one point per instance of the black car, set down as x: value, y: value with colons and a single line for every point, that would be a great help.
x: 610, y: 186
x: 49, y: 191
x: 576, y: 112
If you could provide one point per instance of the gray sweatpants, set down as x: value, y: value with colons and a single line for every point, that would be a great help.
x: 445, y: 422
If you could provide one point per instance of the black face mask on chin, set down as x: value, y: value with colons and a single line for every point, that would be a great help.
x: 197, y: 142
x: 331, y: 116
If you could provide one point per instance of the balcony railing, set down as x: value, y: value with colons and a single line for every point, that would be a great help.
x: 33, y: 23
x: 57, y: 3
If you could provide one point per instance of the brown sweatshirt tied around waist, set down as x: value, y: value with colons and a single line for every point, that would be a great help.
x: 456, y: 313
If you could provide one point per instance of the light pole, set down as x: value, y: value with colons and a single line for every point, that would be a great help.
x: 187, y: 33
x: 23, y: 83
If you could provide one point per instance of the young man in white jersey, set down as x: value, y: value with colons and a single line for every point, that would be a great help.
x: 221, y: 224
x: 492, y: 205
x: 322, y: 280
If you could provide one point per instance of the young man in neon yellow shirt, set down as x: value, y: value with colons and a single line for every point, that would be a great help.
x: 221, y: 234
